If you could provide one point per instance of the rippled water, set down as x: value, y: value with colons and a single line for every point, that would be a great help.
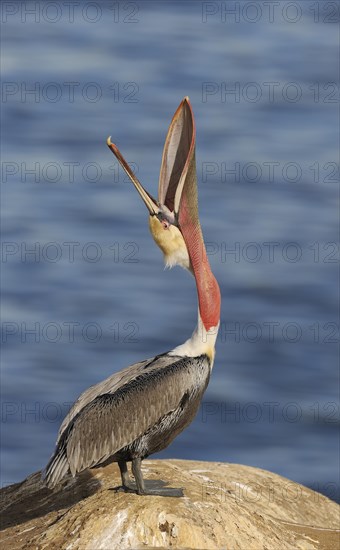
x: 84, y: 290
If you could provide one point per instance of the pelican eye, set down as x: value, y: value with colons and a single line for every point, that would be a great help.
x: 164, y: 220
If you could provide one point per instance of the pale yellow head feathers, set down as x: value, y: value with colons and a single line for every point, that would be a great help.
x: 170, y: 241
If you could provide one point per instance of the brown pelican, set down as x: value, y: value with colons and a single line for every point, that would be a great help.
x: 141, y: 409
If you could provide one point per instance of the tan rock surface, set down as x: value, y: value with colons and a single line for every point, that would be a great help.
x: 226, y: 506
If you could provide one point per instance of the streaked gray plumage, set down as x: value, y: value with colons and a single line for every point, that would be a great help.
x: 132, y: 414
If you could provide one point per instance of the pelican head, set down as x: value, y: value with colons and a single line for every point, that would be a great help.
x: 178, y: 164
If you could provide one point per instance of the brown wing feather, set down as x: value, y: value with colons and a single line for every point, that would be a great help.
x: 113, y: 420
x: 112, y: 384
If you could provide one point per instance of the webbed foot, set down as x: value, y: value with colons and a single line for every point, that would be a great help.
x: 162, y: 492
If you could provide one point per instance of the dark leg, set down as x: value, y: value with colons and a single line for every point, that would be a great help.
x: 126, y: 481
x: 141, y: 490
x: 137, y: 472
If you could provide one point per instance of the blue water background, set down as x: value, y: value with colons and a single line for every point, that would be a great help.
x: 273, y: 397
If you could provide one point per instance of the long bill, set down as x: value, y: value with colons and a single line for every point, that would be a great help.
x: 177, y: 192
x: 148, y: 200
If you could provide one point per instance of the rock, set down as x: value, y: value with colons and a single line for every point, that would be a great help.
x: 225, y: 506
